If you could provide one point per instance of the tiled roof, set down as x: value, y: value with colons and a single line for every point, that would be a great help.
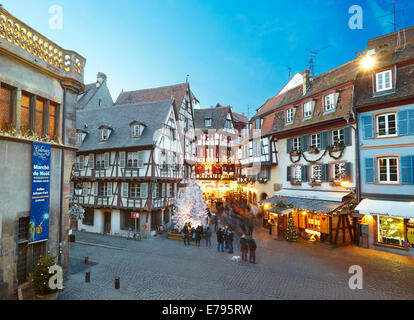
x: 393, y: 40
x: 237, y: 117
x: 176, y: 92
x: 86, y: 95
x: 119, y: 118
x: 218, y: 116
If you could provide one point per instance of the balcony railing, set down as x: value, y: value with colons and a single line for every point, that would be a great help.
x: 31, y: 43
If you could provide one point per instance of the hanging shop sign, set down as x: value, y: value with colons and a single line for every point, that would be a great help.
x: 40, y: 198
x: 134, y: 215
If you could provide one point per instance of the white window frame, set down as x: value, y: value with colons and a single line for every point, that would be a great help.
x: 290, y: 115
x: 388, y: 181
x: 296, y: 144
x: 297, y: 173
x: 339, y: 134
x: 104, y: 134
x: 387, y: 125
x: 343, y: 169
x: 319, y: 171
x: 331, y: 105
x: 307, y: 113
x: 382, y: 75
x: 79, y: 138
x: 136, y: 130
x: 207, y: 123
x: 316, y: 140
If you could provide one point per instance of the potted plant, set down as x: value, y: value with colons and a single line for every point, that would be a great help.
x: 314, y: 183
x: 294, y: 153
x: 296, y: 182
x: 334, y: 183
x: 338, y: 146
x: 314, y: 150
x: 40, y: 279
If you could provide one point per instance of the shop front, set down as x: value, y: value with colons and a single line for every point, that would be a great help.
x: 389, y: 225
x: 315, y: 218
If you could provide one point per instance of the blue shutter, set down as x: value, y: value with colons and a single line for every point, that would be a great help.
x: 305, y: 143
x: 325, y: 173
x: 289, y: 174
x: 367, y: 127
x: 305, y: 173
x: 370, y: 170
x: 407, y: 170
x: 325, y: 140
x: 289, y: 145
x: 411, y: 121
x: 348, y: 171
x: 403, y: 123
x: 348, y: 136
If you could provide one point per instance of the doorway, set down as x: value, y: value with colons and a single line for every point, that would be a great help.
x: 107, y: 223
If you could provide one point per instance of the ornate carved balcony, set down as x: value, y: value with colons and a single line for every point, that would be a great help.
x: 18, y: 38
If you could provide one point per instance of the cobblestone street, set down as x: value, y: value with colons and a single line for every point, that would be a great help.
x: 165, y: 269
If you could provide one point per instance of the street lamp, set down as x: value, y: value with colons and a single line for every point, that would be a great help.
x: 78, y: 190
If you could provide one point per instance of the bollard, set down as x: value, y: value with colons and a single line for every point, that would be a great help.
x: 117, y: 283
x: 86, y: 260
x: 87, y: 277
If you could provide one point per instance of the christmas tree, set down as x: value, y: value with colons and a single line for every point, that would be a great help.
x: 41, y: 276
x: 190, y: 207
x: 291, y: 231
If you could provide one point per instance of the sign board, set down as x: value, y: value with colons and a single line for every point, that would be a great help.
x: 410, y: 235
x: 40, y: 197
x: 134, y: 215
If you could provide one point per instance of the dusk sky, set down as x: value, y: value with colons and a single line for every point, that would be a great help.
x: 235, y: 52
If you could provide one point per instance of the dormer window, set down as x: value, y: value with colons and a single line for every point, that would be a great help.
x: 78, y: 138
x: 207, y: 123
x: 289, y: 115
x: 258, y: 124
x: 104, y: 133
x: 307, y: 110
x: 331, y: 101
x: 383, y: 81
x: 137, y: 129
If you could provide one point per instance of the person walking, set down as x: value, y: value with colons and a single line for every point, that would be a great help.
x: 252, y: 250
x: 198, y: 232
x: 225, y: 234
x: 207, y: 234
x: 220, y: 240
x: 216, y: 222
x: 244, y: 247
x: 251, y: 227
x: 230, y: 238
x: 186, y: 233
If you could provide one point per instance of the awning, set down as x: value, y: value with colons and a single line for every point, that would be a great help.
x: 398, y: 209
x: 315, y: 195
x: 312, y: 200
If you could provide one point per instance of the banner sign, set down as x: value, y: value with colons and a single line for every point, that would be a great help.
x: 40, y: 203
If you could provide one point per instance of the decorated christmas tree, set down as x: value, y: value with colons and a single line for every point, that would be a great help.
x: 41, y: 276
x: 291, y: 231
x: 190, y: 207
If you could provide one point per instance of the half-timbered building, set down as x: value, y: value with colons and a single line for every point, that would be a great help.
x: 130, y: 160
x: 185, y: 102
x: 218, y: 134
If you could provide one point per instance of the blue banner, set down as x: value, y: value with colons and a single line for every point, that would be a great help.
x: 40, y: 204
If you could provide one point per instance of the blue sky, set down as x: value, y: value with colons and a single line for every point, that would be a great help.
x: 236, y: 52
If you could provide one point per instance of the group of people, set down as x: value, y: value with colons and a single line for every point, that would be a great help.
x: 225, y: 239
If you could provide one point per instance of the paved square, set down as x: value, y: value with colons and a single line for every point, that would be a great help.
x: 165, y: 269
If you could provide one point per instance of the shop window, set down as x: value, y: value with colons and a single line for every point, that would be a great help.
x: 88, y: 217
x: 391, y: 231
x: 25, y: 114
x: 387, y: 125
x: 39, y: 130
x: 388, y: 170
x: 313, y: 222
x: 5, y: 107
x: 127, y: 222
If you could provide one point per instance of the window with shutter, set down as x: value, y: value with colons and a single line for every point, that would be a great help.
x: 324, y: 140
x: 407, y: 170
x: 325, y: 173
x: 348, y: 171
x: 95, y: 189
x: 109, y: 188
x: 91, y: 162
x: 81, y: 162
x: 122, y: 159
x: 144, y: 190
x: 289, y: 174
x: 348, y: 137
x: 141, y: 159
x: 288, y: 145
x: 106, y: 160
x: 411, y: 121
x: 370, y: 170
x: 124, y: 189
x: 367, y: 127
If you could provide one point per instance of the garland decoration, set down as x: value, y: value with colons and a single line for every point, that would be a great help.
x: 329, y: 149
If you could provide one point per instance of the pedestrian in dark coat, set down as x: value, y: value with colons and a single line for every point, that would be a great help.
x: 186, y: 233
x: 225, y: 232
x: 207, y: 234
x: 199, y: 232
x: 220, y: 240
x: 230, y: 237
x: 244, y: 247
x: 252, y: 250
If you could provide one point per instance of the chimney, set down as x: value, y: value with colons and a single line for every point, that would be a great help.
x: 306, y: 80
x: 101, y: 78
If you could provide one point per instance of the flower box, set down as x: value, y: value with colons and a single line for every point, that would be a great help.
x: 295, y: 153
x: 296, y: 183
x: 315, y: 183
x: 314, y: 150
x: 335, y: 184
